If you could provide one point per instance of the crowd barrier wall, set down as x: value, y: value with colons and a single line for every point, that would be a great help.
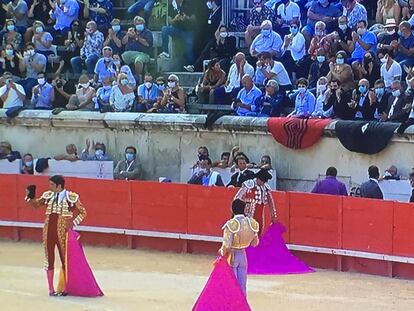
x: 342, y: 233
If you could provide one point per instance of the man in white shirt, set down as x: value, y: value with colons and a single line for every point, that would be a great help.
x: 11, y: 94
x: 294, y: 50
x: 287, y: 12
x: 390, y: 69
x: 272, y: 69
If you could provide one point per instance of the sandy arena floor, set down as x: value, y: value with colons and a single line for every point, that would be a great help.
x: 144, y: 280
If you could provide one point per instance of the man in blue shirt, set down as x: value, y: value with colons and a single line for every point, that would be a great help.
x: 247, y: 96
x: 405, y: 45
x: 43, y: 93
x: 105, y: 66
x: 266, y: 41
x: 148, y: 93
x: 305, y: 101
x: 64, y: 13
x: 364, y: 41
x: 269, y: 104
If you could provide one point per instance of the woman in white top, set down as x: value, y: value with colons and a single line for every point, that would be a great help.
x: 122, y: 96
x: 321, y: 87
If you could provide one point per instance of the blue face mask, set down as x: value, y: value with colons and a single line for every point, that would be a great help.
x: 266, y: 32
x: 99, y: 153
x: 124, y: 82
x: 302, y: 90
x: 29, y: 163
x: 129, y: 156
x: 139, y: 27
x: 107, y: 87
x: 362, y: 89
x: 396, y: 93
x: 10, y: 27
x: 321, y: 58
x: 379, y: 91
x: 294, y: 30
x: 116, y: 28
x: 340, y: 61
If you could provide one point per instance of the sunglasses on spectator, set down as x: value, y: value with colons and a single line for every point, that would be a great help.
x: 170, y: 80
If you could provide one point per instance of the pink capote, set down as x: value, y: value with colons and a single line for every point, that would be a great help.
x: 222, y: 292
x: 80, y: 280
x: 272, y: 256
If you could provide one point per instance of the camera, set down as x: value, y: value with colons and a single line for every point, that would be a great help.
x: 59, y: 84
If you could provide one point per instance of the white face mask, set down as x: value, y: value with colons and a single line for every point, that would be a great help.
x: 321, y: 88
x: 384, y: 59
x: 41, y: 81
x: 171, y: 85
x: 223, y: 34
x: 343, y: 27
x: 391, y: 32
x: 361, y: 31
x: 84, y: 85
x: 148, y: 85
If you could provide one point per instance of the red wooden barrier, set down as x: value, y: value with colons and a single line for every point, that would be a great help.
x: 403, y: 235
x: 8, y: 197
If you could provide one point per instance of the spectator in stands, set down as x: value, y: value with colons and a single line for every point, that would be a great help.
x: 408, y: 11
x: 360, y: 103
x: 95, y: 152
x: 148, y: 93
x: 181, y: 22
x: 27, y: 164
x: 368, y: 69
x: 330, y: 185
x: 319, y: 68
x: 9, y: 61
x: 305, y: 101
x: 265, y: 163
x: 342, y: 72
x: 73, y: 43
x: 224, y: 161
x: 259, y: 13
x: 138, y: 41
x: 202, y: 154
x: 370, y: 189
x: 379, y: 98
x: 269, y: 104
x: 117, y: 62
x: 319, y: 112
x: 337, y: 98
x: 7, y: 153
x: 103, y: 95
x: 322, y: 39
x: 127, y: 169
x: 11, y: 94
x: 122, y: 96
x: 63, y: 90
x: 205, y: 176
x: 322, y: 10
x: 385, y: 38
x: 132, y: 84
x: 90, y: 52
x: 287, y: 12
x: 161, y: 83
x: 398, y: 106
x: 83, y: 99
x: 173, y: 100
x: 355, y: 12
x: 244, y: 103
x: 364, y: 41
x: 64, y: 13
x: 12, y: 36
x: 243, y: 173
x: 42, y: 40
x: 223, y: 95
x: 293, y: 50
x: 214, y: 77
x: 43, y: 94
x: 267, y: 41
x: 224, y: 47
x: 234, y: 153
x: 405, y: 45
x: 71, y: 154
x: 390, y: 69
x: 99, y: 11
x: 115, y: 36
x: 31, y: 63
x: 18, y: 11
x: 105, y: 66
x: 391, y: 174
x: 274, y: 70
x: 146, y: 5
x: 343, y: 41
x: 387, y: 9
x: 40, y: 10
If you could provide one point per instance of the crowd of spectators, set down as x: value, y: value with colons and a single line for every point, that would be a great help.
x: 346, y: 59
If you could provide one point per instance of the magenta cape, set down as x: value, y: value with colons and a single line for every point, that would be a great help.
x: 222, y: 292
x: 79, y: 277
x: 272, y: 256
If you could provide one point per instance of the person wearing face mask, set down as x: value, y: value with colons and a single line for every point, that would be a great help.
x: 404, y: 46
x: 27, y: 164
x: 355, y: 12
x: 42, y: 39
x: 83, y: 99
x: 99, y: 11
x: 399, y: 105
x: 173, y: 100
x: 389, y: 35
x: 364, y: 41
x: 379, y: 98
x: 12, y: 95
x: 138, y: 42
x: 9, y: 61
x: 343, y: 39
x: 319, y: 68
x: 342, y: 72
x: 64, y: 12
x: 321, y: 40
x: 390, y: 69
x: 40, y: 10
x: 146, y: 5
x: 360, y: 103
x: 43, y: 93
x: 95, y: 152
x: 224, y: 47
x: 11, y: 36
x: 244, y: 104
x: 259, y: 13
x: 18, y: 11
x: 91, y: 50
x: 30, y: 63
x: 105, y: 66
x: 73, y: 41
x: 369, y: 68
x: 294, y: 51
x: 132, y: 83
x: 267, y: 41
x: 338, y: 99
x: 205, y: 176
x: 122, y: 97
x: 103, y: 94
x: 287, y: 12
x: 114, y: 37
x: 319, y: 112
x: 305, y: 101
x: 128, y: 169
x: 148, y: 93
x: 63, y: 90
x: 324, y: 11
x: 269, y: 104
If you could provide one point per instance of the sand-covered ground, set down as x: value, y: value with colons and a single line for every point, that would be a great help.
x: 149, y: 280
